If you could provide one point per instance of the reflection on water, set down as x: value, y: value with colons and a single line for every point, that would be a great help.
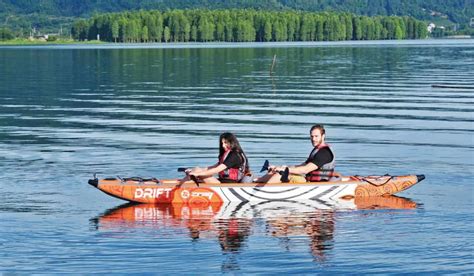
x: 231, y: 224
x: 318, y: 226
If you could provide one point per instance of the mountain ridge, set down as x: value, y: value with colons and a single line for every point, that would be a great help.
x: 46, y: 14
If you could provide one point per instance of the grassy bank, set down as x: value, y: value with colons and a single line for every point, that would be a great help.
x: 25, y: 41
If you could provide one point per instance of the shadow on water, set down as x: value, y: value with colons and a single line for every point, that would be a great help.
x: 231, y: 224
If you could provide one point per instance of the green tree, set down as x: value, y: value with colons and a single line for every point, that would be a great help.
x: 279, y: 30
x: 115, y: 30
x: 6, y: 34
x: 134, y: 31
x: 145, y: 34
x: 167, y: 34
x: 398, y: 32
x: 194, y: 33
x: 220, y: 31
x: 349, y: 28
x: 357, y: 28
x: 292, y: 26
x: 421, y: 30
x: 79, y: 30
x: 221, y: 20
x: 267, y: 31
x: 307, y: 27
x: 319, y: 28
x: 205, y: 30
x: 155, y: 26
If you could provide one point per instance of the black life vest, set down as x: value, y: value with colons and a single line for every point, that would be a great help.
x: 326, y: 171
x: 234, y: 174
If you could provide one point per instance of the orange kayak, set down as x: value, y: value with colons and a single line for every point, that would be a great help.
x: 170, y: 191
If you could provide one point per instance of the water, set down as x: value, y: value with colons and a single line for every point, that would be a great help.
x: 67, y: 112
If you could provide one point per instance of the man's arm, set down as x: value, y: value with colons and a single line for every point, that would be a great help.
x: 303, y: 169
x: 323, y: 156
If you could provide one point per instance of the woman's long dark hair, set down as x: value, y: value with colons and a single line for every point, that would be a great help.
x: 234, y: 145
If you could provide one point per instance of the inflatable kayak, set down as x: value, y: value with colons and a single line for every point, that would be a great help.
x: 170, y: 191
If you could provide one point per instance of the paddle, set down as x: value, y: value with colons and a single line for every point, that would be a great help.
x: 193, y: 177
x: 284, y: 174
x: 265, y: 166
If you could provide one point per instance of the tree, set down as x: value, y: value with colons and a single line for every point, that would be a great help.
x: 357, y: 27
x: 421, y: 30
x: 194, y: 33
x: 349, y: 27
x: 115, y: 30
x: 166, y: 34
x: 6, y: 34
x: 307, y: 27
x: 155, y: 26
x: 267, y: 31
x: 279, y: 31
x: 80, y: 30
x: 205, y: 29
x: 134, y: 31
x: 185, y: 29
x: 145, y: 34
x: 220, y: 31
x: 319, y: 28
x: 123, y: 30
x: 292, y: 27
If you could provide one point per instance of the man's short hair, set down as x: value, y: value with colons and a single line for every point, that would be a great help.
x: 318, y: 126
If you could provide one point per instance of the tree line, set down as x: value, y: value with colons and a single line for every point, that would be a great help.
x: 244, y: 26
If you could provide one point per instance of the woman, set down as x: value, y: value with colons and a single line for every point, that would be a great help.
x: 232, y: 164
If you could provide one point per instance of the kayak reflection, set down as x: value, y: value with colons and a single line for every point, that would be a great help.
x: 232, y: 223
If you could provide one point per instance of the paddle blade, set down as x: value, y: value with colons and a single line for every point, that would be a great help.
x: 265, y: 166
x: 182, y: 169
x: 194, y: 178
x: 285, y: 175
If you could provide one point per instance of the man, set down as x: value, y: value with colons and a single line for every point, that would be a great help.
x: 318, y: 167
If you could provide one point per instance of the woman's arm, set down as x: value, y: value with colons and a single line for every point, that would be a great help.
x: 213, y: 166
x: 210, y: 171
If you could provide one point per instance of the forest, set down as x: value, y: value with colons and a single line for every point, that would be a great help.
x: 243, y: 25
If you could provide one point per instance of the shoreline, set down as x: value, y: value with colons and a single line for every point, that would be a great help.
x: 191, y: 45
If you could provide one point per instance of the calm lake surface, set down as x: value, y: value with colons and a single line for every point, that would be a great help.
x: 67, y: 112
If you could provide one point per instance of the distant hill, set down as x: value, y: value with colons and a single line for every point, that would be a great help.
x: 49, y: 15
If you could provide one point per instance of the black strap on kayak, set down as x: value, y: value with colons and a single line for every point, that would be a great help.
x: 139, y: 179
x: 376, y: 184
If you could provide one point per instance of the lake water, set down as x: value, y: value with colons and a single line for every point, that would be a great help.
x: 67, y: 112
